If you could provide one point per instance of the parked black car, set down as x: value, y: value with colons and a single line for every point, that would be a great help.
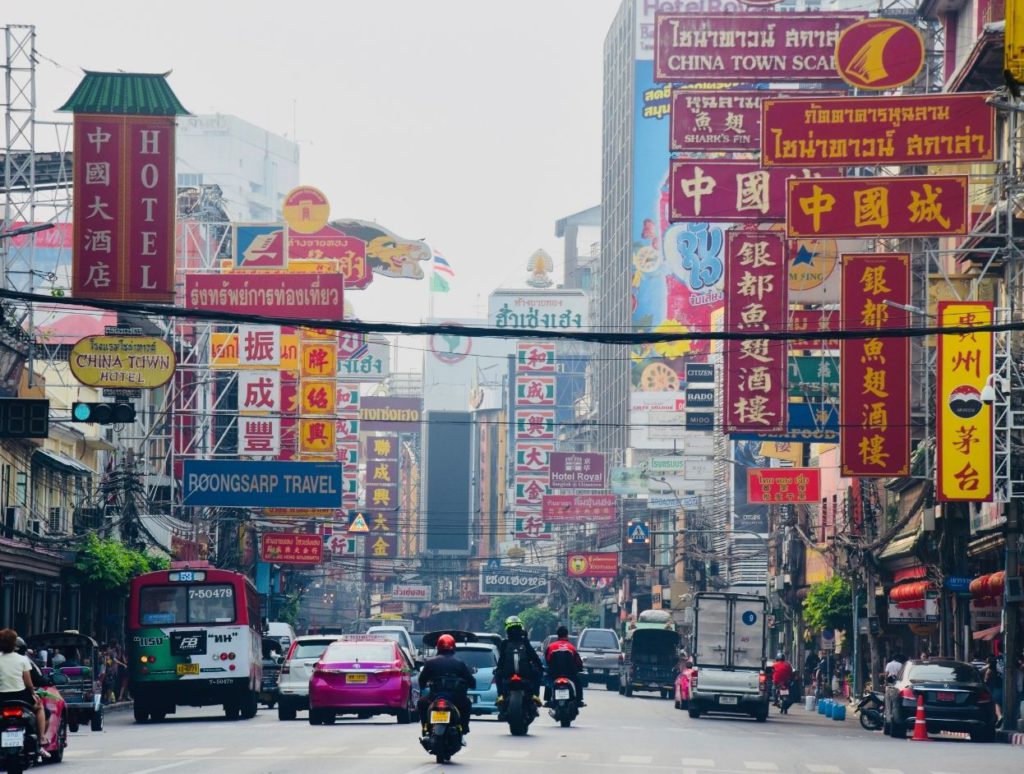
x: 955, y: 699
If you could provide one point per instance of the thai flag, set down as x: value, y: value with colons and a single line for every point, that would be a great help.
x: 441, y: 266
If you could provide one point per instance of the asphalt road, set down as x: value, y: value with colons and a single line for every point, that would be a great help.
x: 613, y: 734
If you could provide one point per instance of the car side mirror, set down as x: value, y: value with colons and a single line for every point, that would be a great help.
x: 280, y: 660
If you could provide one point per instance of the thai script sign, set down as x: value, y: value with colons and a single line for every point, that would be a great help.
x: 784, y: 485
x: 410, y: 593
x: 577, y: 470
x: 812, y: 321
x: 397, y: 415
x: 716, y: 120
x: 934, y: 205
x: 340, y: 253
x: 124, y: 200
x: 521, y: 579
x: 293, y: 296
x: 554, y: 310
x: 728, y: 191
x: 592, y: 565
x: 248, y: 483
x: 964, y: 451
x: 875, y: 390
x: 373, y: 364
x: 576, y: 508
x: 879, y: 54
x: 747, y: 47
x: 868, y: 131
x: 756, y: 300
x: 291, y: 548
x: 141, y: 362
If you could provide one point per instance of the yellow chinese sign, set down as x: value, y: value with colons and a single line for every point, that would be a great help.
x: 965, y: 452
x: 318, y: 397
x: 1013, y: 49
x: 316, y: 435
x: 319, y: 359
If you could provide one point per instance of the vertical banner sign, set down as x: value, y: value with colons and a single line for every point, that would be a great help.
x: 756, y: 293
x: 964, y: 457
x: 874, y: 388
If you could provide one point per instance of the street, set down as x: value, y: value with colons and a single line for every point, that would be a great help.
x: 613, y: 733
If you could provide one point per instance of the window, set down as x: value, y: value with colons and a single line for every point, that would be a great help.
x: 595, y: 638
x: 958, y: 673
x: 361, y: 652
x: 477, y: 658
x: 310, y: 649
x: 159, y: 605
x: 186, y: 180
x: 21, y: 488
x: 211, y: 604
x: 56, y: 525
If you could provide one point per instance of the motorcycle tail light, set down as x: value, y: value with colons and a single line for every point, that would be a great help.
x: 908, y: 693
x: 441, y: 704
x: 516, y: 678
x: 12, y: 712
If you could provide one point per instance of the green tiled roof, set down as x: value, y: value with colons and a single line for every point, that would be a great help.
x: 141, y: 94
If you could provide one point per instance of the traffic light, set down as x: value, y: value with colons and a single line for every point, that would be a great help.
x: 103, y: 413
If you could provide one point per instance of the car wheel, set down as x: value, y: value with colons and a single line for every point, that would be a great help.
x: 158, y: 716
x: 328, y: 717
x: 693, y: 712
x: 73, y: 724
x: 57, y: 755
x: 404, y: 716
x: 285, y: 711
x: 612, y: 684
x: 231, y: 710
x: 96, y: 724
x: 987, y: 734
x: 138, y: 710
x: 314, y: 717
x: 249, y: 705
x: 761, y: 716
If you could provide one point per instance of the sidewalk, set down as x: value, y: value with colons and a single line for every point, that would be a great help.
x: 1010, y: 737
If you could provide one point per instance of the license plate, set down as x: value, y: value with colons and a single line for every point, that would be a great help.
x: 188, y: 669
x: 12, y: 738
x: 440, y: 717
x: 945, y: 696
x: 783, y: 692
x: 562, y: 693
x: 728, y: 699
x: 359, y: 679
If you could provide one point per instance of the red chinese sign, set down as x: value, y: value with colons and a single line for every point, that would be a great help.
x: 331, y: 246
x: 934, y: 205
x: 592, y: 565
x: 291, y: 548
x: 784, y: 485
x: 964, y: 457
x: 716, y: 120
x: 728, y: 191
x: 574, y: 509
x: 535, y: 357
x: 874, y: 388
x: 755, y: 301
x: 124, y: 203
x: 747, y: 47
x: 868, y: 131
x: 292, y: 296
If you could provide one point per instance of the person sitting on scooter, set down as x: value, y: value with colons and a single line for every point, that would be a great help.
x: 16, y: 680
x: 530, y: 668
x: 563, y: 661
x: 447, y: 674
x: 782, y: 676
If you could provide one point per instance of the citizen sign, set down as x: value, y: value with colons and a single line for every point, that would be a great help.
x: 525, y: 579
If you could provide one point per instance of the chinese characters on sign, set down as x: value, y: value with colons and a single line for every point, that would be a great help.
x: 874, y: 388
x: 965, y: 453
x: 716, y: 120
x: 574, y: 509
x: 535, y: 357
x: 291, y: 548
x: 755, y: 301
x: 784, y: 485
x: 867, y: 131
x: 259, y: 405
x: 535, y: 390
x: 877, y: 206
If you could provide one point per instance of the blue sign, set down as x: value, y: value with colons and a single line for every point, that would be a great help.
x: 259, y: 246
x: 806, y: 423
x: 749, y: 617
x: 958, y: 584
x: 638, y: 533
x: 249, y: 484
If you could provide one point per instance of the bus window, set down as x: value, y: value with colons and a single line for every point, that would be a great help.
x: 211, y: 604
x: 162, y: 605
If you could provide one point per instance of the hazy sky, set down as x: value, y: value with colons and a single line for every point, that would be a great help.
x: 473, y: 124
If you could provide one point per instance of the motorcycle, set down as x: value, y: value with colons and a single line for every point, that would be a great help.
x: 442, y: 734
x: 870, y: 709
x: 786, y: 696
x: 564, y: 707
x: 19, y: 742
x: 522, y: 710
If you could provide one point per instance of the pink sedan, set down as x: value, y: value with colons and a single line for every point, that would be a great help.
x: 362, y: 675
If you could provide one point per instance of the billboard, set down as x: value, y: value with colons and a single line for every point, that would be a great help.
x: 747, y: 47
x: 577, y: 470
x: 591, y: 564
x: 389, y: 414
x: 879, y: 54
x: 868, y: 131
x: 253, y: 484
x: 792, y: 486
x: 447, y: 478
x: 259, y: 246
x: 292, y: 296
x: 578, y: 508
x: 411, y: 593
x: 122, y: 362
x: 551, y: 310
x: 705, y: 121
x: 291, y: 548
x: 964, y: 455
x: 527, y: 579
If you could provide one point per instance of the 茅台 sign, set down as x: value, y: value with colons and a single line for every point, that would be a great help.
x: 553, y: 310
x: 398, y: 415
x: 577, y: 508
x: 747, y: 47
x: 119, y: 362
x: 247, y: 483
x: 784, y: 485
x: 577, y: 470
x: 292, y: 296
x: 868, y: 131
x: 410, y: 593
x: 592, y: 565
x: 291, y: 548
x: 518, y: 579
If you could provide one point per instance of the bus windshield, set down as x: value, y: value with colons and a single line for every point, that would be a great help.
x: 161, y: 605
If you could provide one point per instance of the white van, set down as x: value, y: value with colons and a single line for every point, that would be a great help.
x: 282, y: 632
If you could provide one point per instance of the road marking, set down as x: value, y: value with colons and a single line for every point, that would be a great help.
x: 75, y: 752
x: 699, y: 763
x: 264, y: 751
x: 387, y: 750
x: 886, y: 771
x: 574, y: 756
x: 511, y: 754
x: 760, y: 766
x: 138, y: 752
x: 162, y: 768
x: 198, y: 751
x: 324, y: 750
x: 824, y: 768
x: 635, y: 759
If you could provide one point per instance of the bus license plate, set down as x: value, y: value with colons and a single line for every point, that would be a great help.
x: 360, y: 679
x: 12, y: 738
x: 561, y: 693
x: 728, y: 699
x: 188, y: 669
x: 440, y: 717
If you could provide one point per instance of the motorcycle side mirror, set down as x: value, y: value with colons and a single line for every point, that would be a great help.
x: 890, y: 680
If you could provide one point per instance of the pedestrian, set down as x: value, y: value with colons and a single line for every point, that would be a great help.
x: 810, y: 665
x: 121, y: 670
x: 994, y: 682
x: 57, y: 659
x: 894, y: 667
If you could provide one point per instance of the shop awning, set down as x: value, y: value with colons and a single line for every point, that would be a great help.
x: 902, y: 545
x: 61, y: 462
x: 988, y: 634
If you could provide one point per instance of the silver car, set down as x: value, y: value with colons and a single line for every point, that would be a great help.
x: 293, y: 683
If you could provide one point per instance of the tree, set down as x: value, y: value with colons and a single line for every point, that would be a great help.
x: 501, y: 608
x: 109, y: 565
x: 829, y: 605
x: 583, y: 614
x: 539, y: 621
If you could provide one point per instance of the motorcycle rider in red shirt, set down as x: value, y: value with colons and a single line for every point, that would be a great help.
x: 563, y: 661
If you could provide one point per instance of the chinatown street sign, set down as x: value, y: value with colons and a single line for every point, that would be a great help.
x: 792, y: 486
x: 578, y: 508
x: 515, y: 579
x: 933, y: 205
x: 122, y: 362
x: 869, y: 131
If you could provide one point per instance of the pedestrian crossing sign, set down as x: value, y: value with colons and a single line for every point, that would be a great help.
x: 638, y: 533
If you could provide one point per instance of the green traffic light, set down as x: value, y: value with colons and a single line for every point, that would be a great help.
x: 82, y: 412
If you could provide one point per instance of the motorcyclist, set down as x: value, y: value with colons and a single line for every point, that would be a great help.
x: 16, y: 679
x: 530, y: 667
x: 449, y: 675
x: 782, y: 677
x: 563, y: 660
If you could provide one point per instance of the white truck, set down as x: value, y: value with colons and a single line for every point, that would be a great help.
x: 730, y: 639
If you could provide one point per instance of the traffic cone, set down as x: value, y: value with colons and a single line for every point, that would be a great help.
x: 920, y: 726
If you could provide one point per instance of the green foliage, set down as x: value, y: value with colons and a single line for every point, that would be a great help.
x: 582, y: 615
x: 539, y: 621
x: 501, y: 608
x: 109, y: 564
x: 828, y: 605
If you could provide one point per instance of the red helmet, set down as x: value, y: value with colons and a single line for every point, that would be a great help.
x: 445, y: 644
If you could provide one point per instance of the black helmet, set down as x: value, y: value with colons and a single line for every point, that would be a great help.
x: 20, y: 646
